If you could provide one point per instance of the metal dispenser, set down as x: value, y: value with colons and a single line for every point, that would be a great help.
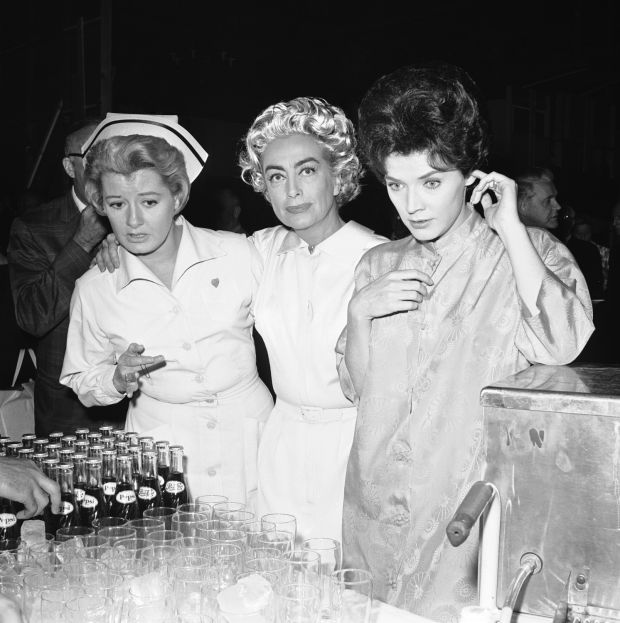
x: 550, y: 499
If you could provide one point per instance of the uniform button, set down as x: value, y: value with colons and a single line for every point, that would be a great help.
x: 199, y: 378
x: 187, y: 346
x: 211, y: 425
x: 211, y: 472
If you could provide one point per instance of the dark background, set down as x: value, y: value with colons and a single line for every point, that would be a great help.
x: 549, y: 72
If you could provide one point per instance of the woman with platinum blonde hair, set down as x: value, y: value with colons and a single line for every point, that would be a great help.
x: 301, y: 155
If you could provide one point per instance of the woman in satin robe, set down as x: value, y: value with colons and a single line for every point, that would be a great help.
x: 468, y: 298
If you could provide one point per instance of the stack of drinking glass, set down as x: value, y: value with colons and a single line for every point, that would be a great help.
x: 206, y: 561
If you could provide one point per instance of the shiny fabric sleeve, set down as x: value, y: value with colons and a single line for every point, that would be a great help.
x: 89, y: 363
x: 362, y: 278
x: 561, y: 328
x: 42, y: 288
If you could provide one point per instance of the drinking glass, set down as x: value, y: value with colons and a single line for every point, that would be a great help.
x: 210, y: 500
x: 303, y: 567
x: 108, y: 585
x: 52, y: 604
x: 145, y: 525
x: 226, y: 507
x: 188, y: 523
x: 101, y: 550
x: 249, y: 600
x: 116, y: 533
x: 85, y: 609
x: 11, y: 587
x: 330, y: 554
x: 189, y: 575
x: 254, y: 530
x: 194, y: 545
x: 264, y: 552
x: 35, y: 584
x: 237, y: 518
x: 351, y: 595
x: 236, y: 537
x: 156, y: 612
x: 80, y: 568
x: 150, y: 588
x: 108, y: 522
x: 284, y: 523
x: 165, y: 537
x: 195, y: 507
x: 160, y: 558
x: 226, y: 562
x: 191, y: 599
x: 275, y: 566
x: 160, y: 512
x: 299, y: 603
x: 133, y: 546
x: 277, y: 539
x: 73, y: 532
x: 207, y: 529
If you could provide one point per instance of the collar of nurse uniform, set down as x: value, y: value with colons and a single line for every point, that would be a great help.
x: 192, y: 250
x: 342, y: 244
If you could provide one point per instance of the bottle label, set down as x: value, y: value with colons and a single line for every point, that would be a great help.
x: 109, y: 488
x: 90, y: 502
x: 7, y: 520
x: 79, y: 495
x: 66, y: 508
x: 126, y: 497
x: 174, y: 486
x: 161, y: 481
x: 147, y: 493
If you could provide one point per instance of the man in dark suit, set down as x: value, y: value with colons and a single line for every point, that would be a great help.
x: 50, y: 246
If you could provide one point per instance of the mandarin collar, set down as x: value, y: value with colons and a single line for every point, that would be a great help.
x: 456, y: 238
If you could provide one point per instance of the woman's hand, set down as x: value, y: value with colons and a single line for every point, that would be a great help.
x: 107, y: 254
x: 502, y: 215
x: 396, y: 291
x: 130, y: 366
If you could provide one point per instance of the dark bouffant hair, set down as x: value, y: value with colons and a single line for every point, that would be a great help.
x: 431, y: 108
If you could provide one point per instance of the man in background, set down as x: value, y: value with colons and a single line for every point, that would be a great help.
x: 50, y: 246
x: 537, y: 198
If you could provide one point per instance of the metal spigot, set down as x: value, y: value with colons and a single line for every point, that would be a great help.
x: 530, y: 564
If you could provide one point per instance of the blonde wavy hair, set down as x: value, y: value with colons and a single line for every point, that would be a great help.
x: 304, y: 115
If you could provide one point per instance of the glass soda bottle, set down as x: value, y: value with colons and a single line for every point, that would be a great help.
x: 175, y: 489
x: 149, y: 492
x: 79, y: 477
x: 109, y: 477
x: 163, y: 461
x: 125, y: 504
x: 28, y: 440
x: 69, y: 515
x: 136, y: 466
x: 40, y: 445
x: 10, y: 526
x: 93, y: 504
x: 81, y: 434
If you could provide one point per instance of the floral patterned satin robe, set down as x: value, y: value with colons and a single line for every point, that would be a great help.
x: 418, y: 444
